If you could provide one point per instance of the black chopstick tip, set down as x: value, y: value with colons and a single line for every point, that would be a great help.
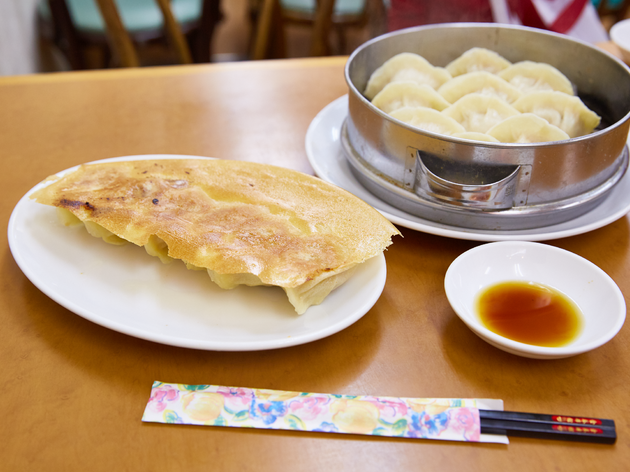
x: 534, y: 425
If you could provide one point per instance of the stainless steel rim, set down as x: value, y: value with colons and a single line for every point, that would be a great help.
x: 531, y: 216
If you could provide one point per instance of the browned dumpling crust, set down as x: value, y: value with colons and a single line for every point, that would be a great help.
x: 232, y: 217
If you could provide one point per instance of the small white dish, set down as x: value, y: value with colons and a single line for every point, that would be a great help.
x: 595, y: 293
x: 620, y: 35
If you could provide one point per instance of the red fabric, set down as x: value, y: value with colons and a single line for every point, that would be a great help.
x: 529, y: 16
x: 408, y: 13
x: 527, y: 13
x: 568, y: 17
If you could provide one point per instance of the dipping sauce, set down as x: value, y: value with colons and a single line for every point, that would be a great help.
x: 529, y: 313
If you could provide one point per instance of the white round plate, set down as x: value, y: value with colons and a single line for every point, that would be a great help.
x: 323, y: 148
x: 124, y: 289
x: 593, y: 291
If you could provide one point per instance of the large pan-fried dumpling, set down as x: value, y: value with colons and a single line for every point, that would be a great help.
x: 526, y: 128
x: 479, y: 113
x: 428, y: 120
x: 246, y: 223
x: 408, y: 94
x: 478, y: 59
x: 564, y: 111
x: 405, y: 67
x: 528, y: 77
x: 481, y: 82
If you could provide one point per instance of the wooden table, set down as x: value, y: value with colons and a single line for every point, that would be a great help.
x: 73, y: 392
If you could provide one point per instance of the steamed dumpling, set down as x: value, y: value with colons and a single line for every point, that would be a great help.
x: 476, y: 136
x: 528, y: 77
x: 526, y: 128
x: 408, y: 94
x: 481, y: 82
x: 564, y: 111
x: 406, y: 67
x: 428, y: 120
x: 477, y: 59
x: 479, y: 113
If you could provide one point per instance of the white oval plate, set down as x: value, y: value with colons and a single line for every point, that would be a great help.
x: 595, y: 293
x: 323, y: 148
x: 124, y: 289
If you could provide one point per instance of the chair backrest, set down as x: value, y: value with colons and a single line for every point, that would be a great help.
x: 321, y: 27
x: 273, y: 13
x: 120, y: 39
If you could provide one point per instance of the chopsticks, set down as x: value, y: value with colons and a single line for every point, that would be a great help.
x: 534, y: 425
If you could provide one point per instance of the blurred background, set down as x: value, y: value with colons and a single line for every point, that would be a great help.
x: 60, y: 35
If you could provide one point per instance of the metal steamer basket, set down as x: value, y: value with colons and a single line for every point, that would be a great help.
x: 480, y: 185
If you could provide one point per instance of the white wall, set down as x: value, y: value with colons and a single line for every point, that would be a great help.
x: 18, y: 37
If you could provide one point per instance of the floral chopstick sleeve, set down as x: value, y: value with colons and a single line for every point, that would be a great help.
x: 447, y: 419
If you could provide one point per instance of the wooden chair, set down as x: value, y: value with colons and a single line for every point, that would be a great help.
x: 270, y: 17
x: 121, y: 41
x: 109, y: 31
